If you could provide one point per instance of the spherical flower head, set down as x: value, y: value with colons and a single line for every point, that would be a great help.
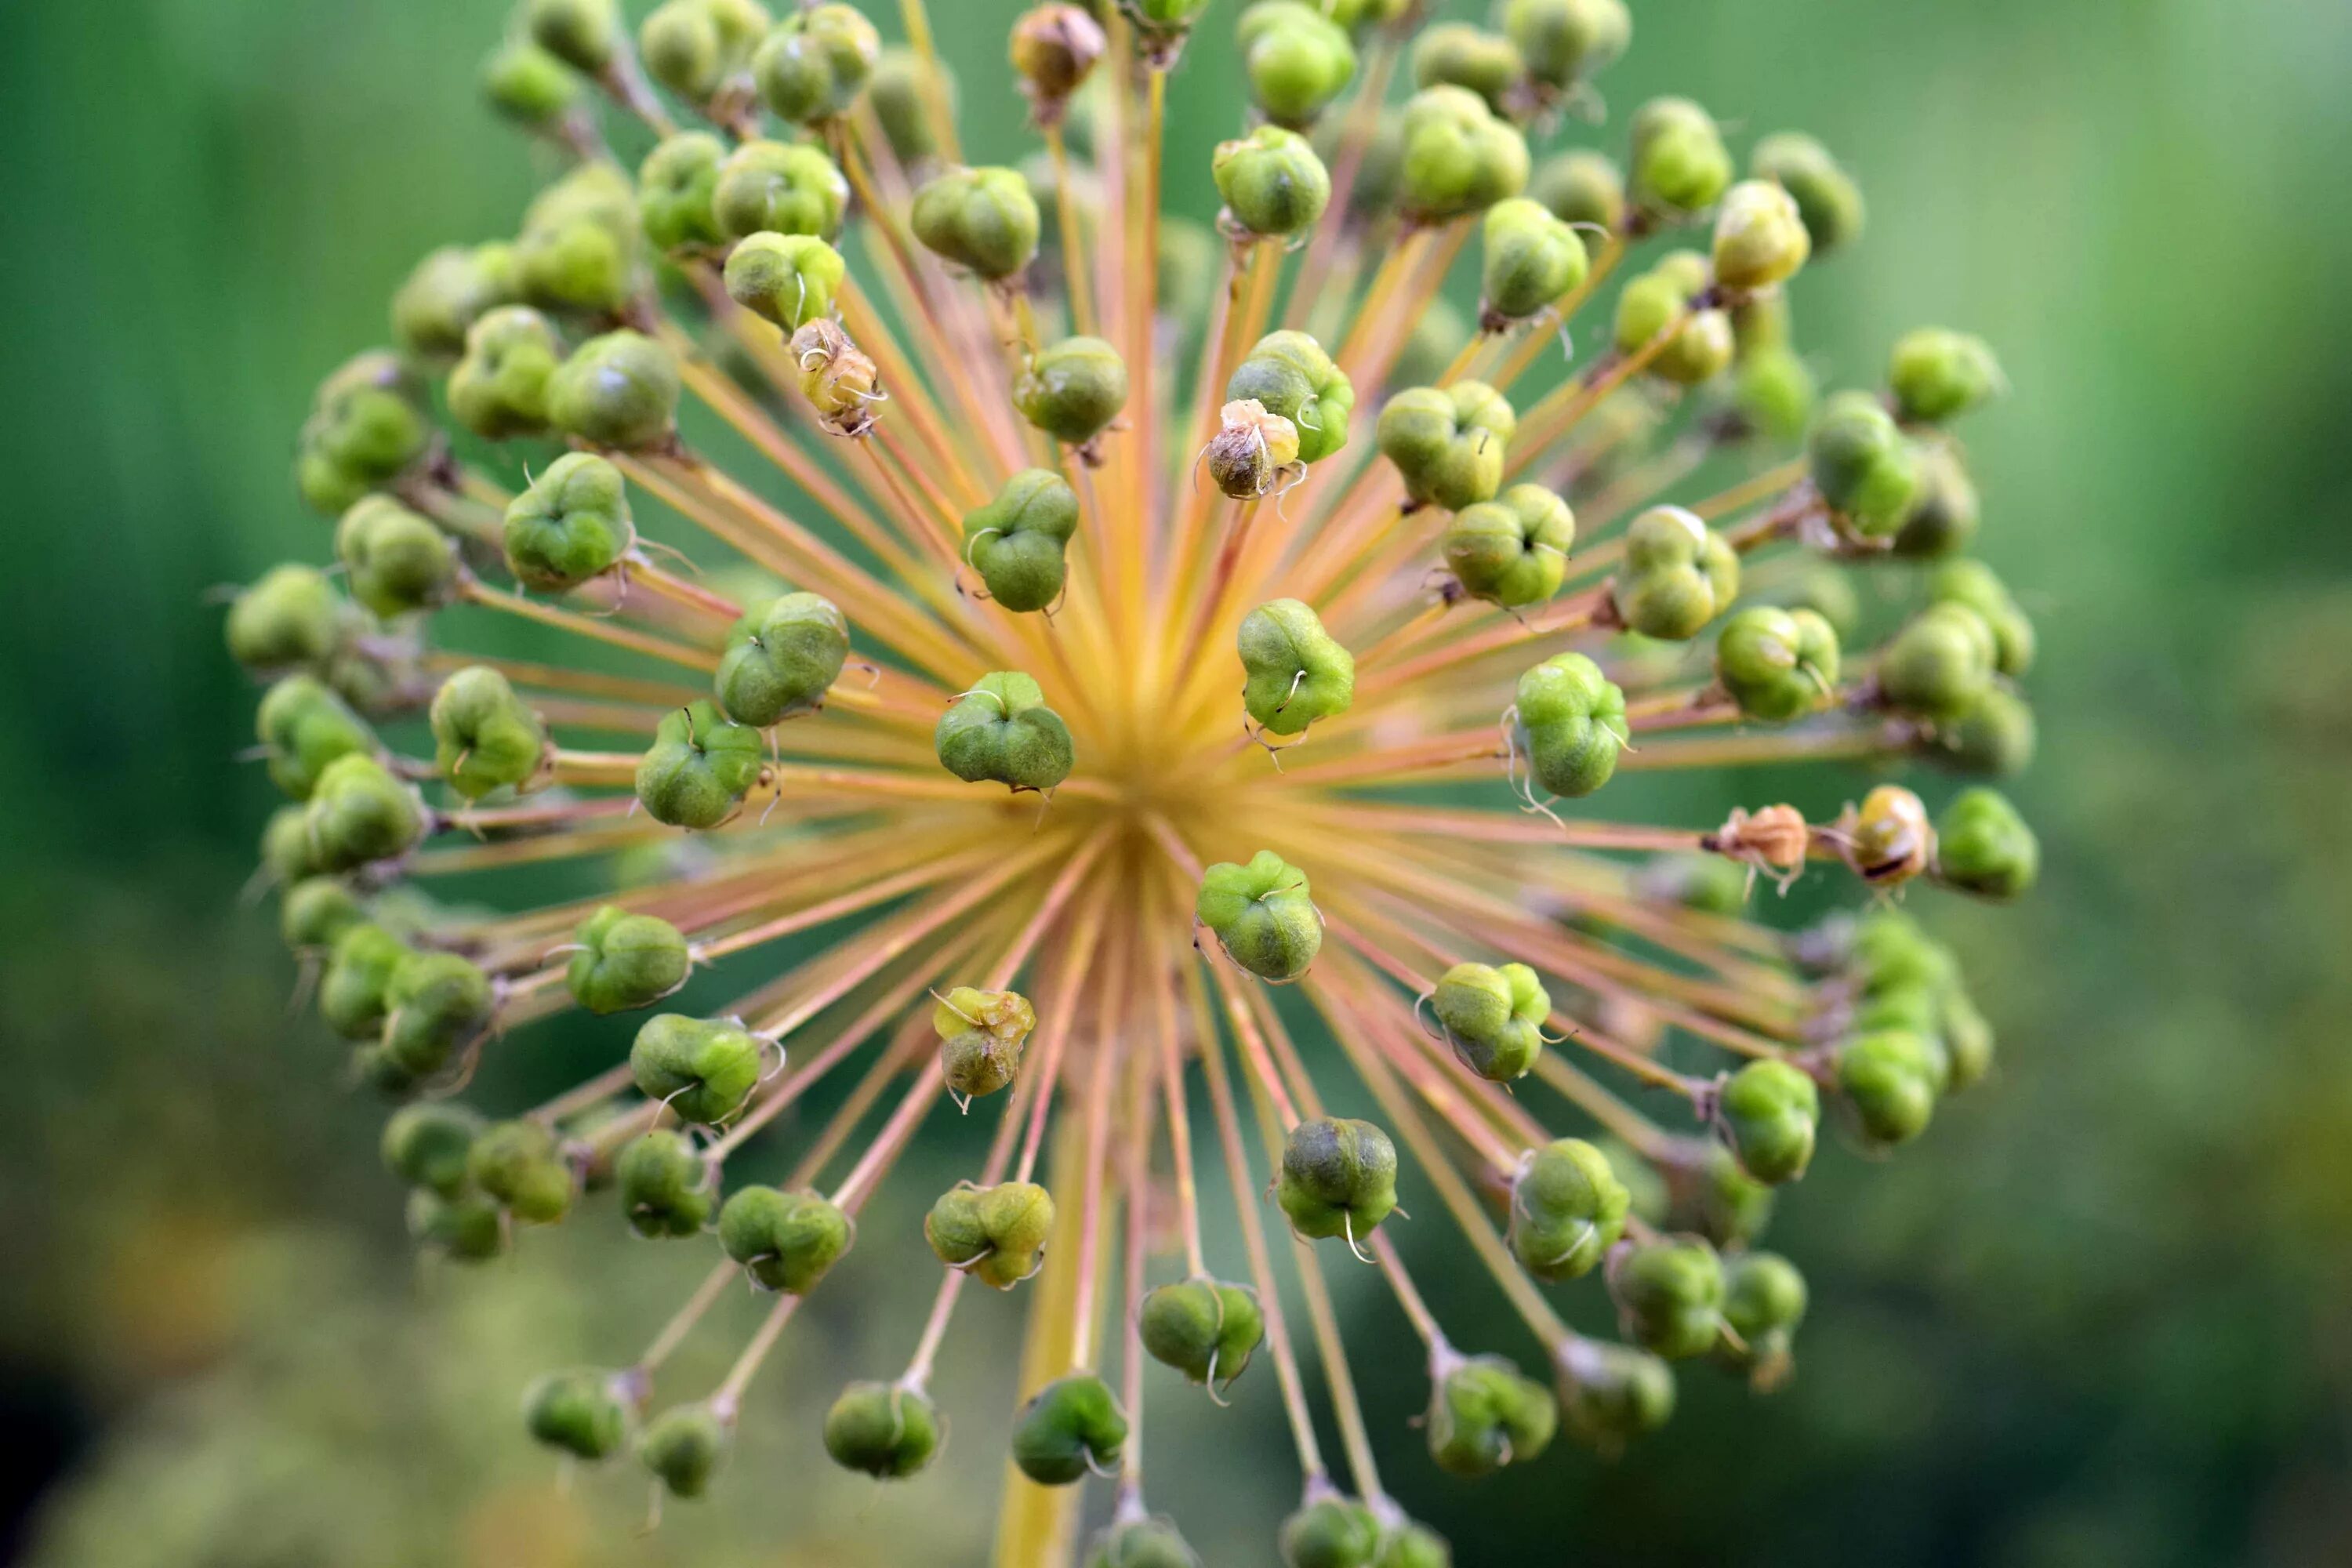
x: 1996, y: 739
x: 618, y: 391
x: 427, y: 1145
x: 1001, y: 732
x: 1531, y: 259
x: 787, y: 279
x: 528, y: 85
x: 583, y: 34
x: 1298, y: 672
x: 1568, y: 722
x: 1511, y: 551
x: 570, y: 523
x: 1679, y: 166
x: 624, y: 960
x: 447, y: 293
x: 899, y: 92
x: 1072, y: 390
x: 1937, y: 374
x: 1862, y: 464
x: 359, y: 814
x: 1945, y: 514
x: 983, y: 219
x: 1330, y: 1531
x: 1495, y: 1016
x: 578, y: 248
x: 996, y: 1235
x: 1566, y: 41
x: 838, y: 377
x: 1769, y: 1111
x: 1484, y: 1413
x: 1889, y: 1081
x: 1665, y: 300
x: 366, y: 426
x: 466, y: 1228
x: 1459, y: 158
x: 1141, y: 1543
x: 1263, y: 913
x: 816, y: 62
x: 1975, y: 585
x: 1297, y: 59
x: 777, y: 187
x: 1338, y: 1178
x: 358, y: 974
x: 1679, y: 574
x: 1070, y: 1428
x: 677, y: 186
x: 684, y: 1447
x: 1669, y: 1294
x: 1272, y: 184
x: 434, y: 1004
x: 1827, y: 198
x: 1461, y: 54
x: 1448, y: 442
x: 1205, y: 1328
x: 1759, y: 237
x: 499, y: 389
x: 1018, y: 542
x: 668, y: 1189
x: 1568, y: 1209
x: 287, y: 617
x: 702, y: 1068
x: 1777, y: 664
x: 700, y: 767
x: 887, y: 1430
x: 1941, y: 664
x: 580, y: 1413
x: 1289, y: 375
x: 781, y: 659
x: 1054, y: 50
x: 785, y: 1241
x: 1582, y: 187
x: 485, y: 738
x: 1983, y: 846
x: 983, y: 1034
x: 521, y: 1166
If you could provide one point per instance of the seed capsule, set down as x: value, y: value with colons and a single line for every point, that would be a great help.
x: 983, y: 219
x: 1566, y: 41
x: 812, y: 66
x: 1891, y: 839
x: 447, y: 293
x: 1778, y: 665
x: 1937, y: 375
x: 680, y: 45
x: 528, y: 85
x: 1889, y: 1081
x: 1763, y: 1302
x: 626, y: 961
x: 620, y: 391
x: 1330, y: 1531
x: 779, y: 187
x: 1973, y: 584
x: 1568, y: 1209
x: 287, y: 617
x: 359, y: 971
x: 1264, y: 913
x: 1448, y: 443
x: 1054, y: 50
x: 1582, y: 187
x: 1945, y: 514
x: 1759, y: 237
x: 1768, y: 1112
x: 900, y: 91
x: 1670, y: 1296
x: 1001, y: 732
x: 1862, y: 466
x: 1018, y: 542
x: 684, y: 1447
x: 360, y: 814
x: 1827, y: 197
x: 837, y: 378
x: 1252, y: 451
x: 466, y: 1228
x: 702, y: 1068
x: 572, y: 523
x: 1941, y: 664
x: 499, y: 390
x: 1996, y: 739
x: 366, y: 426
x: 1458, y: 157
x: 1072, y: 390
x: 787, y: 279
x: 1679, y: 165
x: 1664, y: 299
x: 676, y: 186
x: 699, y: 768
x: 1141, y: 1543
x: 1290, y: 376
x: 1983, y: 846
x: 583, y: 34
x: 1460, y: 54
x: 1494, y: 1018
x: 785, y: 1241
x: 1272, y: 182
x: 667, y: 1187
x: 780, y: 660
x: 520, y: 1165
x: 1205, y: 1328
x: 1484, y: 1415
x: 1298, y: 672
x: 578, y: 1412
x: 997, y: 1235
x: 982, y: 1036
x: 1412, y: 1545
x: 428, y: 1145
x: 1678, y: 574
x: 436, y: 1005
x: 1568, y: 722
x: 485, y: 738
x: 1511, y: 551
x: 578, y: 248
x: 1339, y: 1178
x: 1297, y: 59
x: 397, y: 561
x: 1071, y: 1427
x: 885, y: 1429
x: 1532, y: 258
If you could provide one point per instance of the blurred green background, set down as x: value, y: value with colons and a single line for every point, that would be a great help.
x: 2103, y: 1315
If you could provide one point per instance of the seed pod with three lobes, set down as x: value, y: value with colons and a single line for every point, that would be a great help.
x: 578, y: 250
x: 619, y: 389
x: 304, y: 728
x: 397, y: 561
x: 1072, y: 390
x: 581, y: 1411
x: 816, y: 62
x: 316, y: 911
x: 427, y: 1145
x: 787, y: 279
x: 1297, y: 59
x: 1017, y: 541
x: 522, y: 1166
x: 1937, y: 374
x: 700, y: 767
x: 1890, y: 1082
x: 1568, y: 1209
x: 1464, y: 55
x: 778, y: 187
x: 1581, y: 187
x: 676, y: 185
x: 1070, y: 1428
x: 1996, y: 739
x: 1264, y: 913
x: 997, y: 1235
x: 1940, y: 664
x: 1769, y: 1112
x: 667, y: 1188
x: 359, y: 971
x: 691, y: 47
x: 583, y: 34
x: 887, y: 1430
x: 360, y: 814
x: 1484, y: 1414
x: 1713, y: 1197
x: 623, y: 961
x: 1330, y: 1531
x: 1679, y: 165
x: 1761, y: 240
x: 527, y: 85
x: 1054, y: 50
x: 1141, y: 1543
x: 1983, y: 846
x: 1459, y: 158
x: 684, y: 1447
x: 1272, y: 182
x: 982, y: 1036
x: 1777, y: 664
x: 1493, y: 1017
x: 447, y: 291
x: 366, y: 425
x: 1205, y: 1328
x: 1611, y: 1394
x: 1863, y: 465
x: 1764, y: 1300
x: 1568, y: 721
x: 785, y: 1241
x: 436, y: 1005
x: 1945, y: 514
x: 1827, y: 197
x: 1679, y: 574
x: 702, y: 1068
x: 1566, y: 41
x: 1669, y: 1295
x: 1448, y: 442
x: 1511, y: 551
x: 1665, y: 300
x: 1001, y: 732
x: 1889, y: 839
x: 1289, y: 375
x: 1974, y: 583
x: 287, y: 617
x: 484, y: 736
x: 781, y: 659
x: 466, y: 1228
x: 1407, y: 1544
x: 499, y: 389
x: 983, y: 219
x: 1298, y: 672
x: 1338, y: 1178
x: 571, y: 523
x: 1531, y: 259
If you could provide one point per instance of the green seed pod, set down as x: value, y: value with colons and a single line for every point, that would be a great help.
x: 1511, y: 551
x: 447, y: 293
x: 1290, y: 376
x: 1458, y: 157
x: 1678, y: 574
x: 1460, y: 54
x: 1141, y: 1543
x: 571, y: 524
x: 583, y: 34
x: 467, y: 1228
x: 1940, y: 664
x: 1759, y: 237
x: 578, y: 250
x: 427, y: 1145
x: 1570, y: 724
x: 997, y: 1235
x: 1768, y: 1112
x: 702, y: 1068
x: 1272, y: 182
x: 398, y: 562
x: 317, y: 910
x: 1983, y: 846
x: 982, y: 1036
x: 1205, y: 1328
x: 1764, y: 1300
x: 520, y: 1164
x: 675, y: 187
x: 983, y: 219
x: 1330, y: 1531
x: 1054, y: 50
x: 1967, y: 1042
x: 285, y: 857
x: 785, y: 1241
x: 434, y: 1004
x: 1778, y: 665
x: 528, y: 85
x: 1070, y: 1427
x: 684, y: 1447
x: 1865, y: 469
x: 1568, y: 1209
x: 366, y: 426
x: 1944, y: 515
x: 1662, y: 300
x: 1974, y: 583
x: 1264, y: 913
x: 1494, y: 1018
x: 1484, y: 1415
x: 358, y: 970
x: 782, y: 660
x: 1017, y: 541
x: 1670, y: 1296
x: 1565, y: 41
x: 1001, y: 732
x: 580, y: 1413
x: 700, y: 767
x: 681, y: 48
x: 360, y: 814
x: 885, y: 1429
x: 1531, y: 259
x: 1581, y: 187
x: 1773, y: 392
x: 815, y: 64
x: 1298, y: 672
x: 1890, y: 1082
x: 1996, y: 739
x: 1937, y: 375
x: 499, y: 390
x: 287, y: 617
x: 626, y: 961
x: 1827, y: 198
x: 787, y: 279
x: 1448, y: 442
x: 1297, y: 59
x: 486, y: 738
x: 1679, y: 166
x: 1339, y: 1178
x: 667, y: 1188
x: 620, y: 389
x: 776, y: 187
x: 1411, y: 1545
x: 900, y: 91
x: 1713, y: 1197
x: 1072, y: 390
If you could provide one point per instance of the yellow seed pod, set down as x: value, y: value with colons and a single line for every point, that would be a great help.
x: 1890, y: 839
x: 836, y: 377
